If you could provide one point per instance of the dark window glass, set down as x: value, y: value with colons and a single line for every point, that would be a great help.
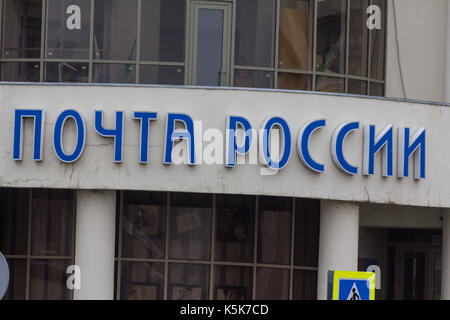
x: 274, y: 238
x: 17, y: 279
x: 358, y: 38
x: 272, y: 284
x: 357, y: 86
x: 253, y: 79
x: 66, y: 72
x: 188, y: 282
x: 295, y: 43
x: 150, y: 74
x: 305, y: 285
x: 20, y: 71
x: 114, y: 73
x: 48, y: 280
x: 377, y: 45
x: 330, y: 84
x: 331, y: 24
x: 293, y: 81
x: 13, y: 221
x: 68, y: 29
x: 255, y: 33
x: 142, y: 281
x: 377, y: 89
x: 233, y: 283
x: 163, y: 30
x: 190, y: 226
x: 307, y: 216
x: 115, y: 29
x: 21, y: 28
x: 235, y: 228
x: 144, y: 225
x: 53, y: 217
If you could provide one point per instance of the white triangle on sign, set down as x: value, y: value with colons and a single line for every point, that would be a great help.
x: 354, y: 293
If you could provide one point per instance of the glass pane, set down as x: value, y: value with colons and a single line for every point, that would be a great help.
x: 48, y: 280
x: 253, y: 79
x: 235, y: 218
x: 274, y: 237
x: 306, y: 247
x: 295, y: 48
x: 330, y: 84
x: 22, y: 21
x: 331, y: 24
x: 358, y: 38
x: 305, y: 285
x: 437, y: 274
x: 173, y: 75
x: 414, y: 276
x: 377, y: 44
x: 233, y: 283
x: 163, y: 30
x: 144, y: 225
x: 293, y: 81
x: 272, y: 284
x: 17, y: 279
x: 142, y: 281
x: 114, y: 73
x: 53, y: 220
x: 255, y: 33
x: 357, y: 87
x: 115, y: 29
x: 20, y: 71
x: 190, y: 226
x: 66, y: 72
x: 13, y: 221
x: 188, y: 282
x: 209, y: 47
x: 68, y: 29
x: 377, y: 89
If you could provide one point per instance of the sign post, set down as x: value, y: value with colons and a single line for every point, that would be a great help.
x: 4, y: 276
x: 351, y: 285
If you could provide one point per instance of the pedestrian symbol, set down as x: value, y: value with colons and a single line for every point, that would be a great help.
x: 350, y: 285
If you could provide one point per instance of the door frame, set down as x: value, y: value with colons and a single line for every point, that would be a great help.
x: 229, y: 18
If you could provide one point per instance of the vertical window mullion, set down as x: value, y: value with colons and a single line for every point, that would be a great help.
x: 255, y: 247
x: 369, y: 57
x: 119, y: 245
x: 43, y: 39
x: 313, y: 84
x: 91, y: 42
x: 347, y: 45
x: 138, y: 38
x: 166, y: 256
x: 277, y: 43
x: 212, y: 249
x: 291, y: 271
x: 30, y: 210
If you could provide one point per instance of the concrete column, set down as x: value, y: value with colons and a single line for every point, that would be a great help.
x: 95, y: 241
x: 447, y: 56
x: 338, y: 241
x: 445, y: 276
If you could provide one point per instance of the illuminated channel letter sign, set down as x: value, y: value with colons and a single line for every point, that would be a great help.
x: 411, y: 144
x: 351, y: 285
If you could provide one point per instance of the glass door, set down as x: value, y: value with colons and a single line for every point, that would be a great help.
x: 209, y: 46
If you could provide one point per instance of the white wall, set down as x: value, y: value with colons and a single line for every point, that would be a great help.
x: 421, y: 38
x: 96, y: 169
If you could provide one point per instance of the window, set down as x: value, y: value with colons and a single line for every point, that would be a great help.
x: 185, y: 246
x: 37, y: 238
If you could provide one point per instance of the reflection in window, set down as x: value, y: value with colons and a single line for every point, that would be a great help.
x: 163, y: 30
x: 253, y: 79
x: 358, y: 38
x: 115, y: 29
x: 190, y: 226
x: 275, y: 221
x: 305, y: 285
x: 306, y: 243
x: 272, y: 284
x: 68, y: 29
x: 331, y: 20
x: 233, y: 283
x: 330, y: 84
x: 255, y: 33
x: 188, y: 282
x: 22, y: 20
x: 47, y: 280
x: 66, y: 72
x: 150, y: 74
x: 235, y: 228
x: 357, y: 86
x: 142, y: 281
x: 377, y: 45
x: 17, y: 279
x: 376, y: 89
x: 114, y: 73
x: 296, y: 26
x: 20, y: 71
x: 293, y: 81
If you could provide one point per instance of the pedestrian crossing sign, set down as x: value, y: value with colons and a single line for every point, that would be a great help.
x: 351, y: 285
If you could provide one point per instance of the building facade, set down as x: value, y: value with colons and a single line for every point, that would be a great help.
x: 229, y: 149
